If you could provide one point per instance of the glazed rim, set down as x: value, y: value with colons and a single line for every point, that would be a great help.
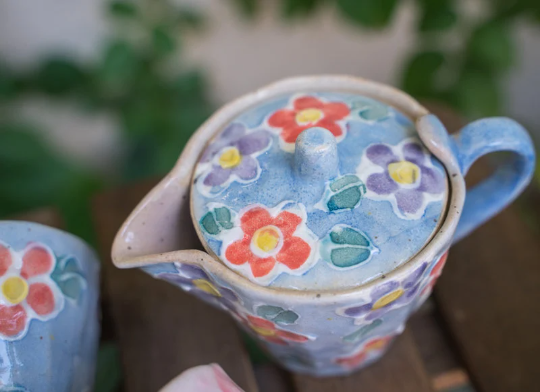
x: 439, y: 240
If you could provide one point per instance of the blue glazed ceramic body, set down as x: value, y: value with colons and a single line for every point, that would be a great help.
x: 49, y: 329
x: 316, y: 313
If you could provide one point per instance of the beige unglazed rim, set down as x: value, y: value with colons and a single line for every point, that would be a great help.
x: 183, y: 171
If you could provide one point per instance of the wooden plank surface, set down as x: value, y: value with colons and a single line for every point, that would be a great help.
x: 161, y: 330
x: 401, y: 369
x: 489, y: 295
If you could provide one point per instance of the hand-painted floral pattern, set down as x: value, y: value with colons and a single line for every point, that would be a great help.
x: 403, y: 175
x: 308, y: 112
x: 434, y: 274
x: 387, y: 296
x: 271, y: 244
x: 268, y: 331
x: 232, y: 157
x: 195, y: 280
x: 27, y: 290
x: 372, y: 348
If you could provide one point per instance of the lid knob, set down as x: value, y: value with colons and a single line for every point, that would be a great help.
x: 316, y: 155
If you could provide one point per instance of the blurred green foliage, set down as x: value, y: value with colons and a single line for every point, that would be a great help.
x: 466, y: 76
x: 157, y: 110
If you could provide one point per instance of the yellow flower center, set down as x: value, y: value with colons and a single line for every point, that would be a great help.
x: 308, y: 116
x: 404, y: 172
x: 206, y: 286
x: 266, y: 239
x: 15, y: 289
x: 387, y: 299
x: 231, y: 157
x: 263, y: 331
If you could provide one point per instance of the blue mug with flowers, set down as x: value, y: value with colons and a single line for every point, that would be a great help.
x: 326, y: 207
x: 49, y: 327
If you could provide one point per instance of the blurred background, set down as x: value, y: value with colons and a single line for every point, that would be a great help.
x: 96, y: 93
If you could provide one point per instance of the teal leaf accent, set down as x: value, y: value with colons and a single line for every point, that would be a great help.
x: 223, y: 217
x: 357, y: 335
x: 371, y: 110
x: 72, y: 285
x: 348, y: 257
x: 345, y: 247
x: 209, y: 224
x: 269, y: 312
x: 69, y: 277
x: 349, y: 236
x: 219, y: 218
x: 347, y: 199
x: 277, y: 315
x: 342, y: 182
x: 286, y: 318
x: 344, y: 193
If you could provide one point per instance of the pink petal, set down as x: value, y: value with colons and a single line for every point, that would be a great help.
x: 37, y: 260
x: 40, y: 298
x: 5, y: 259
x: 205, y: 378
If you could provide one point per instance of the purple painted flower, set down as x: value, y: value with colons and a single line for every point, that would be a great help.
x: 403, y: 175
x: 195, y: 280
x: 232, y: 156
x: 387, y: 296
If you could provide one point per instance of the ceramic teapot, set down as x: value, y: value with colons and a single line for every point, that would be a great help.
x: 325, y: 206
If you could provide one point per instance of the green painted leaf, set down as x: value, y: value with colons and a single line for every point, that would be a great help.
x: 342, y: 182
x: 223, y: 217
x: 348, y: 236
x: 349, y: 256
x: 368, y: 13
x: 209, y: 224
x: 419, y: 77
x: 348, y: 198
x: 286, y: 318
x: 355, y: 336
x: 269, y: 312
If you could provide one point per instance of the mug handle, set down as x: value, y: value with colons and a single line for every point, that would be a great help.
x: 509, y: 179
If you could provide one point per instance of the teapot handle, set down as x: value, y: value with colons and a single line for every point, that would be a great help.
x: 510, y: 177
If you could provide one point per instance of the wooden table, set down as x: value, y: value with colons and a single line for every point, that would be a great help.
x: 482, y: 328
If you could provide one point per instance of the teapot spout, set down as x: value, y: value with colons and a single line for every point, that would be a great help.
x: 316, y: 155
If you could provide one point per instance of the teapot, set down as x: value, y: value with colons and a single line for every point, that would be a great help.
x: 325, y: 206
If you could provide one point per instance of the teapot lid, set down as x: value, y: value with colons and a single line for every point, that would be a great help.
x: 317, y: 190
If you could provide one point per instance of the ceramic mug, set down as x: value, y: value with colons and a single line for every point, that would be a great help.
x: 49, y: 327
x: 337, y: 331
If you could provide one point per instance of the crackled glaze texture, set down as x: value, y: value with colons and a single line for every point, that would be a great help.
x: 49, y: 327
x: 355, y: 197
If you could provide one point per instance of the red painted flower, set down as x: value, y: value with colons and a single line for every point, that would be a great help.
x: 268, y: 331
x: 308, y: 112
x: 372, y: 346
x: 27, y: 291
x: 268, y: 244
x: 436, y: 271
